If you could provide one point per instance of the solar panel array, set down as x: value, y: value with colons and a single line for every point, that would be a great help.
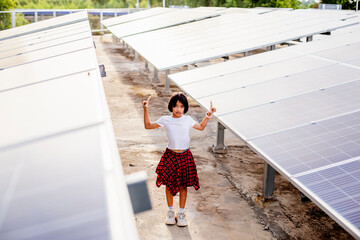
x: 299, y: 108
x: 165, y: 20
x: 59, y: 166
x: 230, y: 34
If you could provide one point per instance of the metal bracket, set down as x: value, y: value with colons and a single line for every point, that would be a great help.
x: 102, y: 70
x: 146, y: 66
x: 138, y: 192
x: 220, y: 136
x: 156, y: 77
x: 167, y: 82
x: 267, y: 198
x: 269, y: 182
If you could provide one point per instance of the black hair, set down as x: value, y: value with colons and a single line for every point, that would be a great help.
x: 178, y: 97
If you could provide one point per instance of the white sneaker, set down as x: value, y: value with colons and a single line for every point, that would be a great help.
x: 181, y: 220
x: 170, y: 218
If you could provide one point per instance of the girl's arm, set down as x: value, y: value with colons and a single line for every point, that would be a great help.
x: 204, y: 122
x: 147, y: 123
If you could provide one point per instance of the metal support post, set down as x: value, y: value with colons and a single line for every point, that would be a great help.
x: 156, y: 77
x: 54, y: 14
x: 163, y: 3
x: 146, y: 66
x: 248, y: 53
x: 220, y: 136
x: 167, y: 82
x: 131, y: 52
x: 36, y: 16
x: 101, y: 26
x: 13, y: 18
x: 115, y: 13
x: 270, y: 48
x: 357, y: 5
x: 269, y: 182
x: 309, y: 38
x: 127, y: 50
x: 136, y: 55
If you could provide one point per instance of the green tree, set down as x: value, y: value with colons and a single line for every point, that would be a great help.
x: 5, y: 18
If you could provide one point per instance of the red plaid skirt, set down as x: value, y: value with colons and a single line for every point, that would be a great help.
x: 177, y: 170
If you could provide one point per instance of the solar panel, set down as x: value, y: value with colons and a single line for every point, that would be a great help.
x: 24, y: 75
x: 42, y: 37
x: 210, y: 38
x: 60, y: 174
x: 314, y: 145
x: 42, y: 54
x: 44, y: 25
x: 43, y: 184
x: 298, y: 108
x: 277, y: 89
x: 44, y: 45
x: 165, y: 20
x: 338, y: 187
x: 296, y: 111
x: 136, y: 16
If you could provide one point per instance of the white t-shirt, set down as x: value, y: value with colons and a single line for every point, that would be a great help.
x: 177, y: 130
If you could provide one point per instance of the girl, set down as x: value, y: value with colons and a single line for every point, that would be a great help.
x: 177, y: 169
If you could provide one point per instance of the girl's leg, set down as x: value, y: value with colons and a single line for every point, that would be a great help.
x: 183, y: 194
x: 169, y: 197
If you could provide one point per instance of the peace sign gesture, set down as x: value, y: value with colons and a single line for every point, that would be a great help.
x: 145, y: 103
x: 211, y: 111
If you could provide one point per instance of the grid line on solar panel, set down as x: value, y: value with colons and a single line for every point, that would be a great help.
x: 327, y: 136
x: 354, y: 159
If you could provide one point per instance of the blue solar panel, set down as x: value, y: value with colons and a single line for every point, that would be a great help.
x: 338, y: 186
x: 315, y: 145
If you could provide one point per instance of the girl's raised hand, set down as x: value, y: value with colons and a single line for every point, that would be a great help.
x: 211, y: 110
x: 145, y: 103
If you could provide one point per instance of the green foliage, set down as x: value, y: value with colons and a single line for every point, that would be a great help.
x: 5, y: 18
x: 6, y: 5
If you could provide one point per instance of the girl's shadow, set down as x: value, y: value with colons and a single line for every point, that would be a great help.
x: 179, y: 232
